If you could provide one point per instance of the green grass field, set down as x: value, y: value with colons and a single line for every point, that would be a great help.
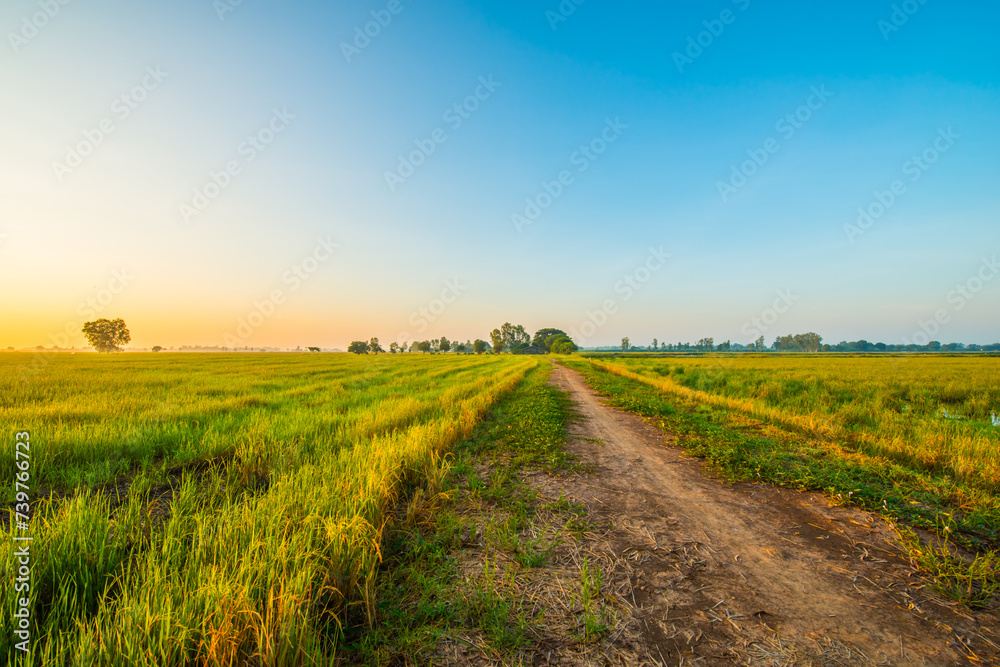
x: 226, y: 509
x: 221, y: 509
x: 924, y: 422
x: 910, y: 437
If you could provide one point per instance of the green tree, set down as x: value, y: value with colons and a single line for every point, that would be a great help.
x: 563, y: 345
x: 423, y: 346
x: 496, y: 336
x: 808, y: 342
x: 479, y: 346
x: 444, y: 344
x: 626, y: 345
x: 157, y: 348
x: 655, y: 345
x: 374, y: 347
x: 515, y: 338
x: 107, y: 335
x: 358, y: 347
x: 393, y: 347
x: 544, y: 338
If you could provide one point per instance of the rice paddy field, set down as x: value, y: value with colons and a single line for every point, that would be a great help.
x: 910, y: 436
x: 219, y: 509
x: 232, y: 509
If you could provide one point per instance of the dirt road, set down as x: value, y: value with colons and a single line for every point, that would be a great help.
x: 750, y: 572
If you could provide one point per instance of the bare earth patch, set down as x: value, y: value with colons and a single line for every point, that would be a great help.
x: 700, y: 572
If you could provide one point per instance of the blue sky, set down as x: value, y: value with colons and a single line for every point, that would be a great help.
x: 307, y: 244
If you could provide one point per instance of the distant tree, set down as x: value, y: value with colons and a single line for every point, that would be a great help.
x: 393, y: 347
x: 374, y: 347
x: 515, y: 338
x: 507, y: 330
x: 157, y: 348
x: 626, y: 344
x: 544, y: 338
x: 358, y: 347
x: 496, y: 336
x: 107, y: 335
x: 809, y: 342
x: 706, y: 344
x: 479, y: 346
x: 460, y: 348
x: 521, y: 335
x: 402, y: 348
x: 423, y: 346
x: 563, y: 345
x: 444, y: 344
x: 655, y: 344
x: 313, y: 349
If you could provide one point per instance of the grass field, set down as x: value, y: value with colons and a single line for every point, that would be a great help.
x: 233, y: 509
x: 909, y: 436
x: 221, y: 509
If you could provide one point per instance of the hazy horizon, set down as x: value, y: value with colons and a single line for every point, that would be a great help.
x: 726, y: 169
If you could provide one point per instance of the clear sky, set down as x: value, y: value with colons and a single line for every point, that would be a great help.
x: 644, y: 169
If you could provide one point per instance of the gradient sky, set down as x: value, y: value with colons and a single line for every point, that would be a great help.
x: 111, y: 229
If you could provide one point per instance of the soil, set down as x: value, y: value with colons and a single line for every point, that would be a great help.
x: 718, y: 574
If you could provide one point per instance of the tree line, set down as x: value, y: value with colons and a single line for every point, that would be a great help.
x: 507, y: 338
x: 805, y: 342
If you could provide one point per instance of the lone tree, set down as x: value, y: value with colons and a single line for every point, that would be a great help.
x: 107, y: 335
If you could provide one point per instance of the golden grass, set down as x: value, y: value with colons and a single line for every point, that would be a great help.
x: 230, y: 570
x: 892, y: 407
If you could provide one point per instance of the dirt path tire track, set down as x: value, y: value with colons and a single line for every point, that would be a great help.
x: 758, y: 571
